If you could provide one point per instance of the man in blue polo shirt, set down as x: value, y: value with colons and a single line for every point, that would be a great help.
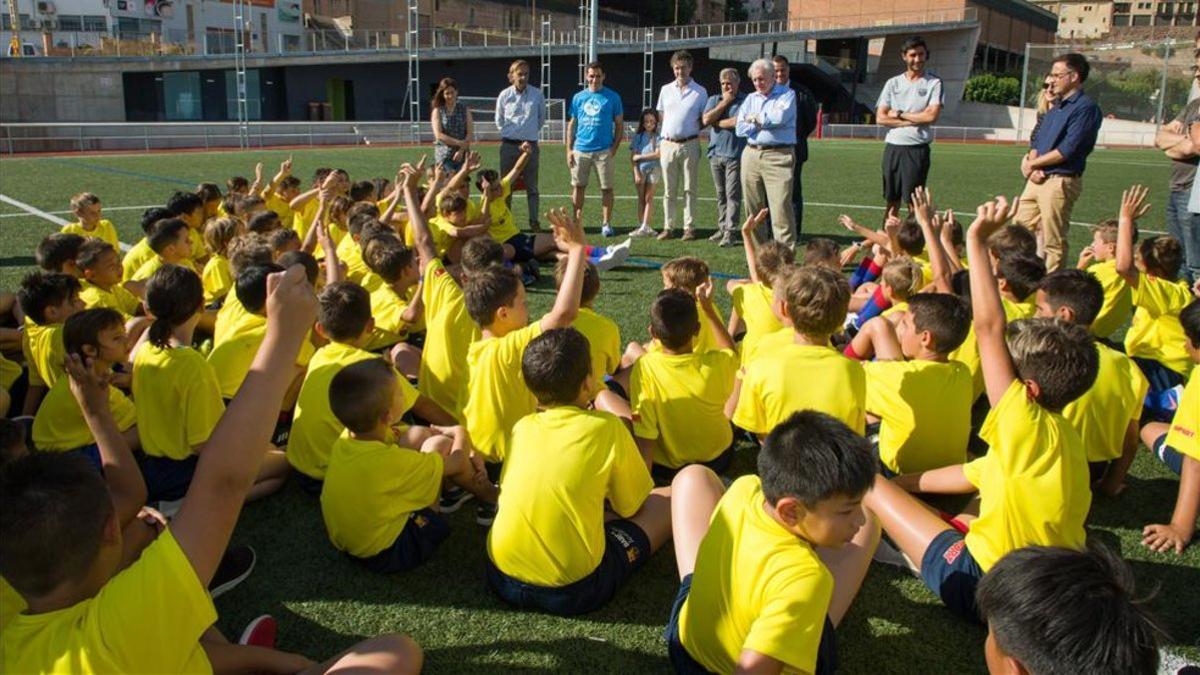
x: 594, y: 132
x: 1054, y: 166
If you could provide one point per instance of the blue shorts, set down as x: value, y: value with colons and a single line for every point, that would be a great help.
x: 1168, y: 455
x: 950, y: 571
x: 91, y: 453
x: 683, y: 663
x: 422, y: 534
x: 166, y: 479
x: 663, y: 475
x: 309, y: 484
x: 626, y: 549
x: 522, y: 246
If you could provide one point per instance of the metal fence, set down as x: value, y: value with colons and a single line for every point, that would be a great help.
x: 998, y: 135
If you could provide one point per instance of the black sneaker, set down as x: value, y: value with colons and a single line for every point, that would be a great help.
x: 485, y: 514
x: 236, y: 565
x: 531, y: 272
x: 452, y: 498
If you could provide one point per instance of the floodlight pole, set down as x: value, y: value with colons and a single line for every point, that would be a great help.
x: 593, y: 25
x: 1024, y: 83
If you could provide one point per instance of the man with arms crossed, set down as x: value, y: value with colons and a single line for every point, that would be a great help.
x: 909, y: 104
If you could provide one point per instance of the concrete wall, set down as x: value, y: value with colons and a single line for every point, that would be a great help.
x: 51, y: 93
x: 1003, y: 117
x: 950, y: 57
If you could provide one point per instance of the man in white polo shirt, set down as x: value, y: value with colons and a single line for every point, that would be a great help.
x: 681, y: 105
x: 909, y: 104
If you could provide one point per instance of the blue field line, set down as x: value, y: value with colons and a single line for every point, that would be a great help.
x: 654, y: 265
x: 124, y: 172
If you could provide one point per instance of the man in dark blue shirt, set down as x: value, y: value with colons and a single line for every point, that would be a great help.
x: 1054, y: 165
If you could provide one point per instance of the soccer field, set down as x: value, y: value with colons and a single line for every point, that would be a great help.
x: 324, y: 602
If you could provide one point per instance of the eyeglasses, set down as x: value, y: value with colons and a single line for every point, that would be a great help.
x: 1059, y: 76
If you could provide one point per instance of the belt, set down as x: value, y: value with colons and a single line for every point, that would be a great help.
x: 680, y: 141
x: 1064, y: 175
x: 775, y: 146
x: 513, y: 141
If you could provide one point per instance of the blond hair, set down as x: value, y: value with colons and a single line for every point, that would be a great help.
x: 817, y: 299
x: 686, y: 272
x: 82, y: 200
x: 904, y: 277
x: 219, y: 233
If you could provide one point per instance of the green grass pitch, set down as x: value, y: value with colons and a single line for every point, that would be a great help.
x: 324, y: 602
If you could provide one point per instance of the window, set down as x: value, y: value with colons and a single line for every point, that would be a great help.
x: 181, y: 95
x: 26, y: 22
x: 70, y: 22
x: 95, y: 24
x: 1141, y: 20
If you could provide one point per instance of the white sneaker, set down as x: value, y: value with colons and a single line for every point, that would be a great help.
x: 607, y: 230
x: 643, y: 230
x: 615, y: 256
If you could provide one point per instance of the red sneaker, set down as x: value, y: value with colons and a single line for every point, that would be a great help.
x: 260, y: 632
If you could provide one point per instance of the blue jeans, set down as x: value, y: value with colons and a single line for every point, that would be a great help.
x: 1185, y: 226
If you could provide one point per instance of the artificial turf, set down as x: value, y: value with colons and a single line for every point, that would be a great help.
x: 324, y: 602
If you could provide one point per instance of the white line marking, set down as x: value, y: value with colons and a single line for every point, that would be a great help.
x: 68, y: 212
x: 44, y: 215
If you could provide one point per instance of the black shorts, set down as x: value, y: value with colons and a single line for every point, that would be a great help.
x: 905, y: 168
x: 522, y: 247
x: 417, y: 542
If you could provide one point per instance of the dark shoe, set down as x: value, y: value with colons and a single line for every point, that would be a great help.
x: 485, y: 514
x: 728, y: 241
x: 236, y: 565
x: 453, y: 497
x: 716, y: 236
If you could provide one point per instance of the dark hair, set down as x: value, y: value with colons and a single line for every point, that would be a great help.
x: 12, y: 441
x: 1189, y: 318
x: 312, y: 268
x: 388, y: 257
x: 591, y: 280
x: 173, y: 296
x: 489, y: 290
x: 208, y: 192
x: 490, y: 175
x: 947, y: 318
x: 362, y: 190
x: 452, y: 203
x: 151, y: 216
x: 641, y: 125
x: 53, y: 509
x: 264, y: 221
x: 780, y: 59
x: 1012, y: 240
x: 681, y: 56
x: 439, y: 96
x: 1162, y: 256
x: 281, y: 237
x: 165, y: 233
x: 1077, y: 63
x: 481, y: 253
x: 355, y: 222
x: 594, y: 65
x: 1059, y: 356
x: 237, y: 183
x: 913, y: 42
x: 1060, y: 611
x: 251, y: 286
x: 290, y: 182
x: 381, y: 187
x: 320, y: 174
x: 817, y: 299
x: 232, y: 203
x: 83, y: 328
x: 183, y: 203
x: 56, y: 250
x: 361, y: 394
x: 345, y: 310
x: 816, y: 251
x: 910, y: 237
x: 249, y: 250
x: 674, y: 319
x: 1022, y: 274
x: 88, y: 255
x: 40, y: 290
x: 556, y: 364
x: 1077, y: 289
x: 811, y: 456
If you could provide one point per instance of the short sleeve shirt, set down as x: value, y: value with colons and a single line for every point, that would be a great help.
x: 594, y: 113
x: 681, y: 109
x: 906, y: 95
x: 1183, y: 171
x: 725, y: 143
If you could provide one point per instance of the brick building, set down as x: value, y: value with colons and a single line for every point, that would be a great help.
x: 1081, y: 19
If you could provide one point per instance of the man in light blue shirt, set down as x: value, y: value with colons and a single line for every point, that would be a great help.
x: 593, y: 135
x: 767, y: 120
x: 520, y: 114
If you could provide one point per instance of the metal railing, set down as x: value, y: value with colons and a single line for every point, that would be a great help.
x: 997, y: 135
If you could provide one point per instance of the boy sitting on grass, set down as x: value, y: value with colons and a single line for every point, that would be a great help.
x: 396, y: 304
x: 563, y: 464
x: 189, y: 208
x: 139, y: 253
x: 753, y: 298
x: 57, y: 252
x: 101, y: 284
x: 377, y: 490
x: 1033, y: 481
x: 769, y: 568
x: 172, y: 245
x: 86, y: 207
x: 602, y: 333
x: 47, y: 300
x: 1100, y: 260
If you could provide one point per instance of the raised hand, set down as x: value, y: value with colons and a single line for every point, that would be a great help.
x: 704, y: 292
x: 990, y: 216
x: 89, y: 388
x: 285, y: 167
x: 922, y: 205
x: 750, y: 225
x: 291, y: 301
x: 567, y: 229
x: 473, y: 162
x: 847, y: 222
x: 1133, y: 203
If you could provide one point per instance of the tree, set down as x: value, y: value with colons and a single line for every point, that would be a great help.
x: 988, y: 88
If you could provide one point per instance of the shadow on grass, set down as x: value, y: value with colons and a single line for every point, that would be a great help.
x: 18, y: 261
x: 571, y: 655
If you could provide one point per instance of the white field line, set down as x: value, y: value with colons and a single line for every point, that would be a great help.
x: 33, y: 211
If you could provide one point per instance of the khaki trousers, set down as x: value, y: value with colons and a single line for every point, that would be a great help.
x: 1046, y: 208
x: 767, y: 175
x: 679, y: 161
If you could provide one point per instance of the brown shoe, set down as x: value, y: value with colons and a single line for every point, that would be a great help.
x: 689, y: 234
x: 535, y: 226
x: 664, y: 235
x: 716, y: 236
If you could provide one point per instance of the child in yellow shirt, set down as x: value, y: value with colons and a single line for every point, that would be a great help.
x: 56, y: 253
x: 86, y: 207
x: 678, y: 396
x: 171, y: 243
x: 396, y: 304
x: 814, y: 300
x: 1033, y: 481
x: 753, y: 300
x: 1178, y: 446
x: 168, y: 614
x: 101, y: 286
x: 1017, y: 276
x: 563, y: 465
x: 1106, y: 415
x: 217, y: 276
x: 47, y: 300
x: 210, y: 196
x: 603, y: 334
x: 754, y: 594
x: 1117, y: 308
x: 189, y: 208
x: 139, y: 253
x: 378, y: 489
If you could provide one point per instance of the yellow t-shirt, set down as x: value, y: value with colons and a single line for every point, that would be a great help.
x: 115, y: 297
x: 496, y: 393
x: 706, y: 339
x: 151, y: 266
x: 231, y: 314
x: 314, y: 426
x: 302, y: 221
x: 217, y: 278
x: 370, y: 490
x: 925, y: 412
x: 350, y: 252
x: 756, y: 586
x: 894, y: 309
x: 371, y: 281
x: 502, y: 227
x: 231, y: 359
x: 604, y: 343
x: 199, y: 247
x: 280, y: 206
x: 1156, y: 332
x: 793, y: 377
x: 44, y: 352
x: 1118, y: 299
x: 1033, y: 482
x: 178, y: 400
x: 1014, y: 311
x: 135, y: 257
x: 1103, y: 413
x: 11, y: 604
x: 679, y: 399
x: 146, y: 619
x: 565, y: 462
x: 1184, y: 434
x: 387, y: 306
x: 753, y: 302
x: 450, y: 332
x: 60, y: 426
x: 968, y: 355
x: 104, y: 230
x: 9, y: 372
